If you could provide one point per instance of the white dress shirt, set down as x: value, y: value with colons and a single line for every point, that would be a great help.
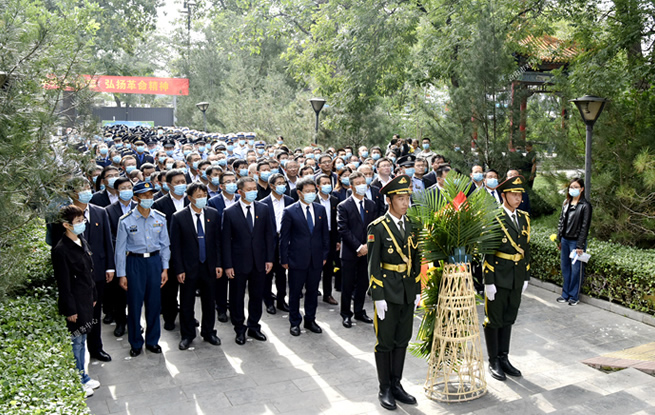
x: 194, y: 216
x: 278, y: 207
x: 328, y: 208
x: 178, y: 203
x: 311, y: 211
x: 244, y: 208
x: 229, y: 202
x: 112, y: 198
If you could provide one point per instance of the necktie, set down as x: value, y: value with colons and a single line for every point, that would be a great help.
x: 310, y: 221
x: 361, y: 211
x: 251, y: 226
x: 493, y: 193
x: 516, y: 221
x: 201, y: 240
x: 401, y: 227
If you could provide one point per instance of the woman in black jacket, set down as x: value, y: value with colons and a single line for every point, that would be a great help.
x: 73, y: 269
x: 572, y: 231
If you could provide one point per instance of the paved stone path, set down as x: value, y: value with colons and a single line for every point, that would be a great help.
x: 334, y: 372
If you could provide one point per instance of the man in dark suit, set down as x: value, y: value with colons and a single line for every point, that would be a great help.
x: 353, y: 217
x: 372, y: 192
x: 98, y: 236
x: 330, y: 203
x: 115, y: 301
x: 141, y: 155
x: 173, y: 202
x: 196, y: 257
x: 248, y: 249
x: 106, y: 197
x: 304, y: 249
x: 276, y: 203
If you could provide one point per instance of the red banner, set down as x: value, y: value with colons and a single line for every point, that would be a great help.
x: 139, y: 85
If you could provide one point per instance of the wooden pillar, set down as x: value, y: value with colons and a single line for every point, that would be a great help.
x: 524, y: 115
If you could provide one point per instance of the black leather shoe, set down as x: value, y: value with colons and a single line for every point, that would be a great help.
x: 197, y: 322
x: 496, y: 370
x: 271, y: 309
x: 184, y: 344
x: 119, y: 330
x: 283, y: 306
x: 313, y: 327
x: 222, y: 317
x: 108, y: 319
x: 134, y: 352
x: 507, y: 366
x: 363, y: 318
x: 240, y: 339
x: 400, y: 395
x: 153, y: 349
x: 213, y: 339
x: 257, y: 335
x: 386, y: 399
x: 330, y: 300
x: 295, y: 331
x: 347, y: 322
x: 101, y: 355
x: 169, y: 326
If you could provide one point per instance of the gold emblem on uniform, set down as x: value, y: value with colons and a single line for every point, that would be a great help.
x: 518, y: 180
x: 390, y: 250
x: 402, y: 180
x: 504, y: 240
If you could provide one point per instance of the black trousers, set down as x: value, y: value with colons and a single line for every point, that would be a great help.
x: 502, y: 311
x: 355, y: 279
x: 280, y: 275
x: 115, y: 301
x: 93, y: 339
x: 220, y: 294
x: 205, y: 281
x: 395, y: 331
x: 328, y: 273
x: 338, y: 283
x: 254, y: 280
x: 310, y: 278
x: 169, y: 306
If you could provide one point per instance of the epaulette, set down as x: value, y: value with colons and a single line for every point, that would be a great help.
x: 126, y: 215
x: 524, y: 212
x: 161, y: 213
x: 378, y: 220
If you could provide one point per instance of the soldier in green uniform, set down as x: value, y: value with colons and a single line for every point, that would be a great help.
x: 394, y: 266
x: 506, y: 276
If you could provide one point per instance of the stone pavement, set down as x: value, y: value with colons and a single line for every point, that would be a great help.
x: 334, y: 372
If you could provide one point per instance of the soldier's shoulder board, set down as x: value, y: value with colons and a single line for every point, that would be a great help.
x: 159, y: 213
x: 378, y: 220
x: 126, y: 215
x: 523, y: 212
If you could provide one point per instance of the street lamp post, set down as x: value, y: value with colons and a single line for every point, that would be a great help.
x: 202, y: 106
x: 590, y: 108
x: 317, y: 105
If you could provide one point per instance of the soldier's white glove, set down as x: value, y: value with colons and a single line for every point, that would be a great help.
x: 381, y: 308
x: 490, y: 291
x: 525, y: 287
x: 417, y: 301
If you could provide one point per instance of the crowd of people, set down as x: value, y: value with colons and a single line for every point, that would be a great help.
x: 166, y: 215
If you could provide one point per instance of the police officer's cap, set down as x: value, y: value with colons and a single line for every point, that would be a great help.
x: 406, y: 161
x: 515, y: 184
x: 260, y: 143
x: 229, y: 140
x: 143, y: 187
x: 399, y: 185
x: 220, y: 147
x: 169, y: 142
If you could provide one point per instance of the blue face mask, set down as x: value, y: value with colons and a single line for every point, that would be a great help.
x: 478, y: 177
x: 364, y: 154
x: 230, y: 148
x: 201, y: 149
x: 116, y: 159
x: 309, y: 197
x: 216, y: 181
x: 251, y: 196
x: 95, y: 179
x: 356, y: 163
x: 255, y: 177
x: 146, y: 203
x: 79, y: 228
x: 326, y: 189
x: 243, y: 172
x: 201, y: 202
x: 170, y: 153
x: 84, y: 196
x: 140, y: 149
x: 393, y: 159
x: 169, y: 166
x: 179, y: 189
x: 283, y: 162
x: 310, y: 156
x: 165, y: 187
x: 426, y: 146
x: 184, y: 170
x: 280, y: 142
x: 118, y: 145
x: 103, y: 151
x: 195, y: 165
x: 345, y: 181
x: 222, y: 162
x: 369, y: 180
x: 157, y: 187
x: 126, y: 195
x: 348, y: 154
x: 275, y: 171
x: 186, y: 153
x: 280, y: 189
x: 260, y: 151
x: 410, y: 171
x: 231, y: 188
x: 376, y: 156
x: 251, y: 143
x: 130, y: 169
x: 361, y: 189
x: 147, y: 179
x: 338, y: 166
x: 492, y: 183
x: 242, y: 142
x: 204, y: 176
x: 265, y: 175
x: 574, y: 192
x: 102, y: 187
x: 162, y: 159
x: 111, y: 182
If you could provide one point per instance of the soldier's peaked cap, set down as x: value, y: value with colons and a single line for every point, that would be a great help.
x: 399, y: 185
x: 515, y: 184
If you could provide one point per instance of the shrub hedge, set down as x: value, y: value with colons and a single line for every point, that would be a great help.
x: 36, y: 358
x: 615, y: 272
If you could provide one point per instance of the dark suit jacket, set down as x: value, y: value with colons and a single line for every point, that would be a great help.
x: 165, y: 205
x: 98, y: 235
x: 341, y: 194
x: 268, y: 201
x: 377, y: 198
x: 351, y: 228
x: 333, y: 177
x: 100, y: 198
x: 244, y: 250
x: 430, y: 179
x: 114, y: 211
x: 184, y: 242
x: 334, y: 232
x: 298, y: 247
x: 218, y: 203
x: 147, y: 158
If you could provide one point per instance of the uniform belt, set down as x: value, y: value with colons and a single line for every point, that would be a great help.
x: 396, y: 268
x: 515, y: 257
x: 147, y: 255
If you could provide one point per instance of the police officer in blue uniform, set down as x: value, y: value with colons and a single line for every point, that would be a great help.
x: 142, y: 255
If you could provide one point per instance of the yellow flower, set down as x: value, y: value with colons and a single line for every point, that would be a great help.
x: 553, y: 237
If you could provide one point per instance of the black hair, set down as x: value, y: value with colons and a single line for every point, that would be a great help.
x: 194, y: 187
x: 242, y: 182
x: 273, y: 178
x: 305, y: 181
x: 173, y: 173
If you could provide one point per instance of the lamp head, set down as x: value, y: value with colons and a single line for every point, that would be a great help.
x: 202, y: 106
x: 590, y: 107
x: 317, y: 104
